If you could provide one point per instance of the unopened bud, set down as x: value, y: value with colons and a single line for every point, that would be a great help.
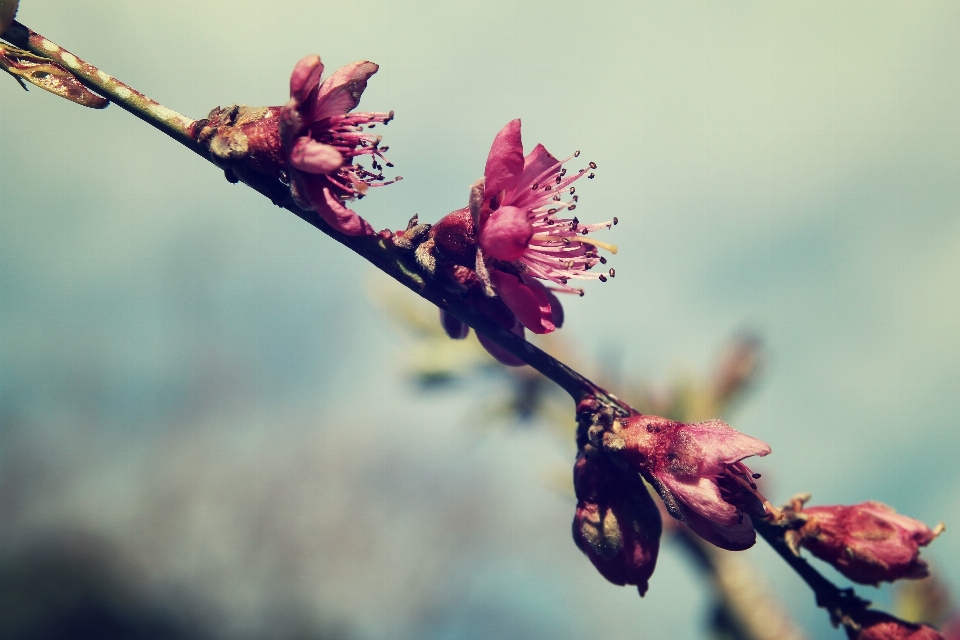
x: 876, y: 625
x: 868, y: 543
x: 617, y: 525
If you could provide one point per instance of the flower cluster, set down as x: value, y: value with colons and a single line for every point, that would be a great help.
x: 507, y: 254
x: 697, y: 469
x: 511, y: 238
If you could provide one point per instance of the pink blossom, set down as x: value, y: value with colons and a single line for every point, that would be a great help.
x: 698, y: 470
x: 517, y: 221
x: 616, y: 525
x: 521, y: 301
x: 867, y: 542
x: 876, y: 625
x: 321, y: 140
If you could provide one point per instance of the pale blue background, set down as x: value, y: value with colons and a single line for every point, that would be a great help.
x: 202, y: 379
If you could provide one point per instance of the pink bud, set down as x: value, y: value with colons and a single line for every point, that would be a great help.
x: 877, y: 625
x: 453, y: 236
x: 616, y: 525
x: 868, y: 542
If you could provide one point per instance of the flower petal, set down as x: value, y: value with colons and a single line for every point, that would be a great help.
x: 505, y: 161
x: 342, y: 219
x: 305, y: 77
x: 502, y: 355
x: 527, y: 298
x: 311, y: 156
x: 736, y: 537
x: 506, y: 234
x: 340, y: 93
x: 702, y: 496
x: 313, y: 190
x: 535, y: 165
x: 556, y: 309
x: 453, y: 327
x: 725, y: 444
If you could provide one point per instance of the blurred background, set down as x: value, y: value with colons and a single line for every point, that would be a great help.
x: 211, y: 425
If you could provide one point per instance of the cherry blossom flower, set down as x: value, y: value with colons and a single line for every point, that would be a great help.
x: 867, y: 542
x: 517, y: 220
x: 510, y: 237
x: 698, y: 471
x: 876, y: 625
x: 321, y: 140
x: 617, y: 525
x: 521, y: 300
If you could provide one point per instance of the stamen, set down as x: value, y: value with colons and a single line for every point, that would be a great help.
x: 612, y: 248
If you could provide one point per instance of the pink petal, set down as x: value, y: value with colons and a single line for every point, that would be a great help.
x: 506, y: 234
x: 453, y: 327
x: 502, y: 355
x: 342, y: 219
x: 527, y: 298
x: 701, y: 496
x: 736, y: 537
x: 340, y: 93
x: 505, y: 162
x: 315, y: 191
x: 535, y: 165
x: 305, y: 77
x: 311, y: 156
x: 725, y: 444
x: 556, y: 309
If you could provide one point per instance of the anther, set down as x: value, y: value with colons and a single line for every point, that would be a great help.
x: 575, y: 221
x: 593, y: 165
x: 603, y: 260
x: 603, y: 278
x: 756, y: 476
x: 576, y: 198
x: 612, y: 272
x: 536, y: 185
x: 559, y: 179
x: 576, y: 153
x: 585, y: 231
x: 573, y: 190
x: 389, y: 164
x: 581, y: 292
x: 373, y: 125
x: 572, y: 207
x: 615, y: 221
x: 591, y: 176
x: 551, y: 212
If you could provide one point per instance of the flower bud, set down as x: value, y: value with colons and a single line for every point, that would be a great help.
x: 617, y: 525
x: 877, y: 625
x: 8, y: 11
x: 868, y: 542
x: 454, y: 238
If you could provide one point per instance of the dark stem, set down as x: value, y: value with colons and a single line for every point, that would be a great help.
x: 844, y: 605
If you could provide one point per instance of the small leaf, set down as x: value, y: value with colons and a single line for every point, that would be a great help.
x: 48, y: 75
